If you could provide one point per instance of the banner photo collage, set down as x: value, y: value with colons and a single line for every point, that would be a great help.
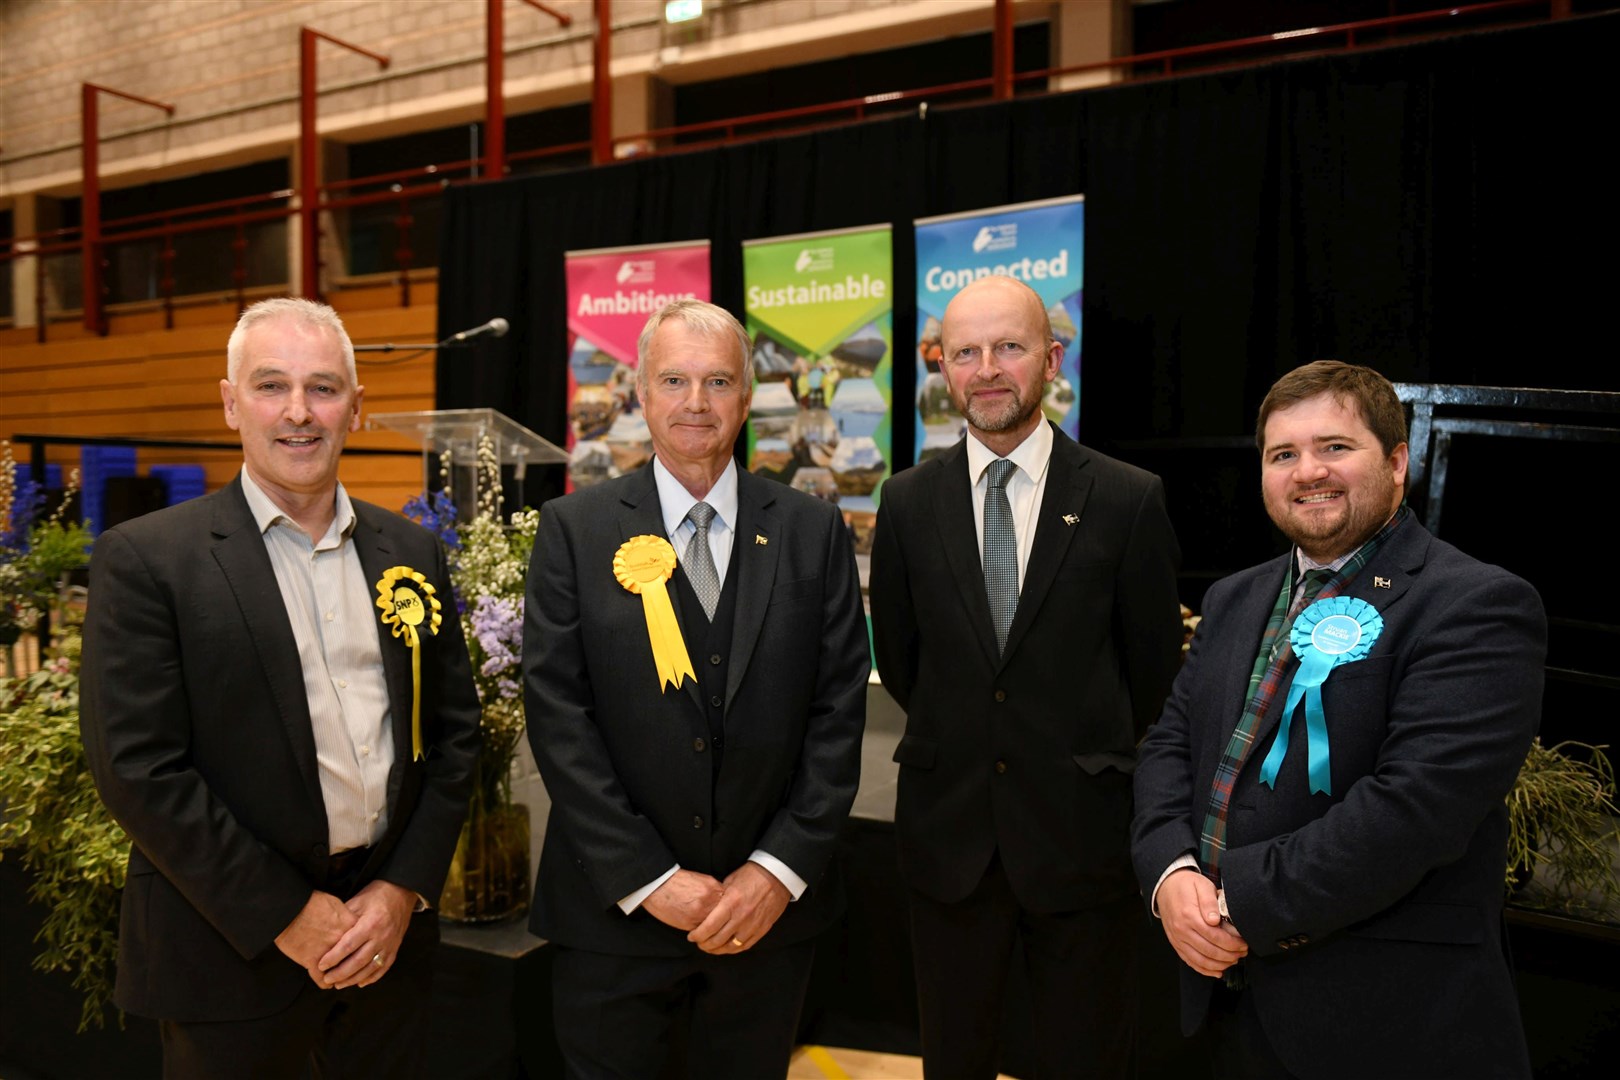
x: 611, y: 293
x: 1040, y: 244
x: 820, y: 310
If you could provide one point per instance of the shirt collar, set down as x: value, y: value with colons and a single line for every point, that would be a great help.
x: 1303, y: 562
x: 266, y: 514
x: 1031, y: 456
x: 675, y: 501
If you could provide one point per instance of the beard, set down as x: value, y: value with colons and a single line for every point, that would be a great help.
x: 1007, y: 416
x: 1326, y: 534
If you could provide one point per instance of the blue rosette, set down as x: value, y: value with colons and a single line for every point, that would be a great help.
x: 1332, y: 631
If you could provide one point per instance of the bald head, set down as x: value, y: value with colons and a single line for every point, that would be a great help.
x: 998, y: 356
x: 999, y: 293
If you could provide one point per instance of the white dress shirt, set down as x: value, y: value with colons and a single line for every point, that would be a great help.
x: 329, y: 604
x: 676, y: 502
x: 1026, y: 487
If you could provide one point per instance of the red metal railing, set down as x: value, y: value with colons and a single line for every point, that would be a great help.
x: 407, y: 189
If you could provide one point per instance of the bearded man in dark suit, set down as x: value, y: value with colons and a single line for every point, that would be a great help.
x: 695, y: 661
x: 292, y: 794
x: 1320, y: 811
x: 1024, y: 615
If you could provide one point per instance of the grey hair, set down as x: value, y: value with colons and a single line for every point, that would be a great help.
x: 291, y: 309
x: 703, y: 318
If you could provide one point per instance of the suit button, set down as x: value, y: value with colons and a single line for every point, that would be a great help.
x: 715, y: 659
x: 319, y: 851
x: 717, y: 701
x: 1001, y: 695
x: 1001, y: 766
x: 697, y: 822
x: 697, y: 744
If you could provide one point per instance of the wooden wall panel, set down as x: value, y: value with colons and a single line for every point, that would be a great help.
x: 159, y: 383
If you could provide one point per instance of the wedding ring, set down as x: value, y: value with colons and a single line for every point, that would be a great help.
x: 737, y: 942
x: 377, y: 959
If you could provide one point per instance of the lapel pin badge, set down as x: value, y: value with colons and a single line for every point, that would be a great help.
x: 1070, y: 519
x: 1380, y: 582
x: 760, y: 540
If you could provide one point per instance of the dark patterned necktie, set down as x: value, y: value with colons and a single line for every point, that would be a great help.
x: 1000, y: 551
x: 699, y: 561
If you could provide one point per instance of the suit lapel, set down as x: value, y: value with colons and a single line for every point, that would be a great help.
x: 959, y: 538
x: 1401, y: 556
x: 241, y: 556
x: 1067, y: 486
x: 376, y: 556
x: 754, y: 563
x: 641, y: 514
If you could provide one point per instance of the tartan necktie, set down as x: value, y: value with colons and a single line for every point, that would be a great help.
x: 1273, y: 661
x: 1000, y: 551
x: 699, y: 560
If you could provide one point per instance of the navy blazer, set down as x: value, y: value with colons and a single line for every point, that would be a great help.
x: 1373, y: 914
x: 1026, y: 752
x: 196, y: 727
x: 627, y: 764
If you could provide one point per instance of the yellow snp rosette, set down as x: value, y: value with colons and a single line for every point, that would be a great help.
x: 407, y: 602
x: 642, y: 565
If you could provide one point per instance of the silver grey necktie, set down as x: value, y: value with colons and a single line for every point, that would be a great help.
x: 1000, y: 551
x: 699, y: 561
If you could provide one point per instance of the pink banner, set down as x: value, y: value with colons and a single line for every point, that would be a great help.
x: 611, y: 292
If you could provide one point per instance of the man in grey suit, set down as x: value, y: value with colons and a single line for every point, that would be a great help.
x: 1024, y: 615
x: 292, y: 794
x: 695, y: 662
x: 1320, y: 820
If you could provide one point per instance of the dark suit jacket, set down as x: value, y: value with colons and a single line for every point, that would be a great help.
x: 196, y: 726
x: 628, y: 767
x: 1029, y: 753
x: 1373, y: 915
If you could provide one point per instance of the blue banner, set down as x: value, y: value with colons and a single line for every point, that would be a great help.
x: 1040, y: 244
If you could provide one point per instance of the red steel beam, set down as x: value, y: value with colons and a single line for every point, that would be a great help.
x: 309, y: 197
x: 494, y: 94
x: 1001, y: 45
x: 602, y: 85
x: 95, y: 319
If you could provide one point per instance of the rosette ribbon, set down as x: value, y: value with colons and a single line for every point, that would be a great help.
x: 1332, y: 631
x: 407, y: 603
x: 642, y: 565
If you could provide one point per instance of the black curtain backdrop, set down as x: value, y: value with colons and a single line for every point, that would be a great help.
x: 1441, y: 211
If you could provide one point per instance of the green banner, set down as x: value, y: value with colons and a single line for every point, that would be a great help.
x: 819, y: 308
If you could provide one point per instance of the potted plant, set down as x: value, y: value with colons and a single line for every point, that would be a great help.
x: 1563, y: 837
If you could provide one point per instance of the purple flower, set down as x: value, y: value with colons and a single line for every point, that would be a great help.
x: 497, y: 625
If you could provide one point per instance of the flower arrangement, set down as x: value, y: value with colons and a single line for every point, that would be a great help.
x: 489, y: 560
x: 34, y: 553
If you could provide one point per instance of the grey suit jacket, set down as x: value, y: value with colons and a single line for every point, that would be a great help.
x: 196, y: 727
x: 627, y: 765
x: 1372, y: 914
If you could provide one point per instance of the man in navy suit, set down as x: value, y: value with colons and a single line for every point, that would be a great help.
x: 1330, y: 870
x: 688, y: 860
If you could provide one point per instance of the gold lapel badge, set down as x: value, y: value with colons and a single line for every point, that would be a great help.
x: 760, y: 540
x: 1071, y: 519
x: 407, y: 602
x: 642, y: 565
x: 1380, y: 582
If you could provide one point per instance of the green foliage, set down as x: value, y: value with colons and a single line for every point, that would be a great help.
x: 1563, y: 831
x: 56, y: 824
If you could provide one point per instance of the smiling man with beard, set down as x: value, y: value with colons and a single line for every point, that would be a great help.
x: 1024, y: 615
x: 1320, y: 819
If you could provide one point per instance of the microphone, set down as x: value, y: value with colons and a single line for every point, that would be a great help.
x: 496, y: 327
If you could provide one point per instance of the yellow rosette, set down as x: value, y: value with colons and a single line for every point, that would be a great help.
x: 407, y: 602
x: 642, y: 565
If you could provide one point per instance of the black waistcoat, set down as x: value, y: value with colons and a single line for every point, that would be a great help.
x: 709, y: 645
